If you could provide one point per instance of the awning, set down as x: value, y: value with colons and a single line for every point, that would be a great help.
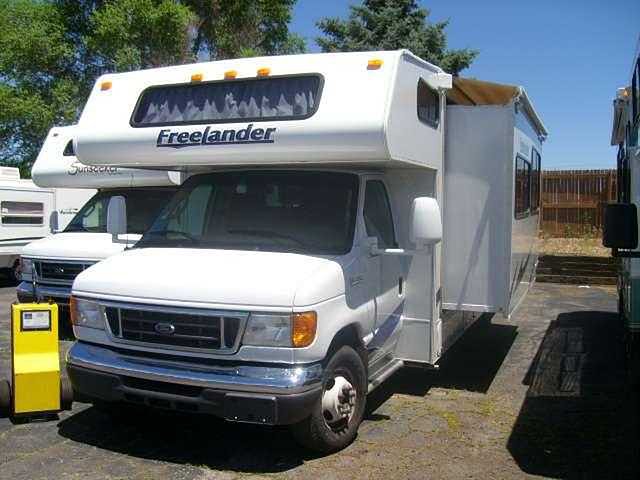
x: 472, y: 92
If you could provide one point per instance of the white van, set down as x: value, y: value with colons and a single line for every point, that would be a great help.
x: 28, y: 213
x: 50, y: 265
x: 303, y: 261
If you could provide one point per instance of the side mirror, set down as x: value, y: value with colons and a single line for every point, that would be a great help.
x: 620, y: 226
x: 426, y: 222
x: 54, y: 222
x: 117, y: 216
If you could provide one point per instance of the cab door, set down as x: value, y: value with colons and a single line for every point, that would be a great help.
x: 389, y: 295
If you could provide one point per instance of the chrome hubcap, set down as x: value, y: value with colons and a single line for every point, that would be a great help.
x: 339, y: 401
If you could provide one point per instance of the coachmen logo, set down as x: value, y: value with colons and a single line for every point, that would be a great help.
x: 164, y: 328
x: 180, y: 139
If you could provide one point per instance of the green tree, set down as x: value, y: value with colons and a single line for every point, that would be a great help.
x: 51, y: 52
x: 390, y: 25
x: 134, y: 34
x: 243, y: 28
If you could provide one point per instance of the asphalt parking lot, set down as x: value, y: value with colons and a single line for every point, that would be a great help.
x: 540, y: 395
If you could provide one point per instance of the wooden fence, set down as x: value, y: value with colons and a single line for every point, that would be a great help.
x: 573, y: 201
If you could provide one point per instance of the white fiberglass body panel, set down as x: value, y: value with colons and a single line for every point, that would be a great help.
x: 58, y: 166
x: 524, y: 232
x: 489, y: 242
x: 351, y: 123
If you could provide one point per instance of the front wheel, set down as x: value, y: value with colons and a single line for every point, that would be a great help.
x: 335, y: 419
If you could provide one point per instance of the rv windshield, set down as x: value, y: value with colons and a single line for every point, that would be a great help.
x: 142, y: 207
x: 306, y: 212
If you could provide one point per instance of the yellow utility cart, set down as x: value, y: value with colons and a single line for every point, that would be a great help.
x: 36, y: 387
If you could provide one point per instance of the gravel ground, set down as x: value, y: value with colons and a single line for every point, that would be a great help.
x: 579, y: 247
x: 539, y: 395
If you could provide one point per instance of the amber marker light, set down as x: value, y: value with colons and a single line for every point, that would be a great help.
x: 264, y: 71
x: 230, y: 74
x: 73, y: 310
x: 106, y: 85
x: 303, y: 331
x: 197, y: 77
x: 374, y: 64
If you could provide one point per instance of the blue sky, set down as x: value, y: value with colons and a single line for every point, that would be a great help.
x: 570, y: 55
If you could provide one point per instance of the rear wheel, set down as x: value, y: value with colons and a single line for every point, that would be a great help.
x: 335, y: 419
x: 5, y: 398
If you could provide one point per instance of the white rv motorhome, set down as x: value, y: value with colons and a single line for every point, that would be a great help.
x: 322, y: 240
x: 28, y: 213
x: 50, y: 265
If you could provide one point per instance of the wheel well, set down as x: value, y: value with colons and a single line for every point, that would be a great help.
x: 349, y: 335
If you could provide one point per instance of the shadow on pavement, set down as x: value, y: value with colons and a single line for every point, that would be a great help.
x: 579, y: 419
x: 187, y: 439
x: 200, y: 440
x: 470, y: 364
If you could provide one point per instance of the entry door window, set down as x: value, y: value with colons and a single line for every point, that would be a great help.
x: 377, y: 214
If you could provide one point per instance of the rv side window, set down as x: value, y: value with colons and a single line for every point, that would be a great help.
x: 377, y: 214
x: 22, y: 213
x: 522, y: 188
x: 428, y: 104
x: 275, y: 98
x: 535, y: 181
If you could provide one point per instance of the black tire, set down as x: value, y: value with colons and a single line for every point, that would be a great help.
x: 5, y: 398
x: 66, y: 394
x: 314, y: 432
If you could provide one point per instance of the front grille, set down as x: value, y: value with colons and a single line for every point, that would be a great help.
x: 176, y: 328
x: 59, y: 272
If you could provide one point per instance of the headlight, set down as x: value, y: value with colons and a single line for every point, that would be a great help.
x: 26, y: 269
x: 85, y: 313
x: 280, y: 330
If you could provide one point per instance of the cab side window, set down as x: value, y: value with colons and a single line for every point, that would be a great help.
x: 377, y: 214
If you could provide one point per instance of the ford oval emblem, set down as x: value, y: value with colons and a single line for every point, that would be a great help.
x: 164, y: 328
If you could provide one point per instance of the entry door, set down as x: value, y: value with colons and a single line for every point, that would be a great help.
x: 379, y: 223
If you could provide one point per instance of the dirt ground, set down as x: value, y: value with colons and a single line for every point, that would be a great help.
x: 540, y: 395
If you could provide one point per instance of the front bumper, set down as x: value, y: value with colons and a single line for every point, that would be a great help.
x: 251, y: 393
x: 27, y: 293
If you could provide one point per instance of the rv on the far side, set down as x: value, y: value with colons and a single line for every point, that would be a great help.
x: 28, y: 213
x: 50, y: 265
